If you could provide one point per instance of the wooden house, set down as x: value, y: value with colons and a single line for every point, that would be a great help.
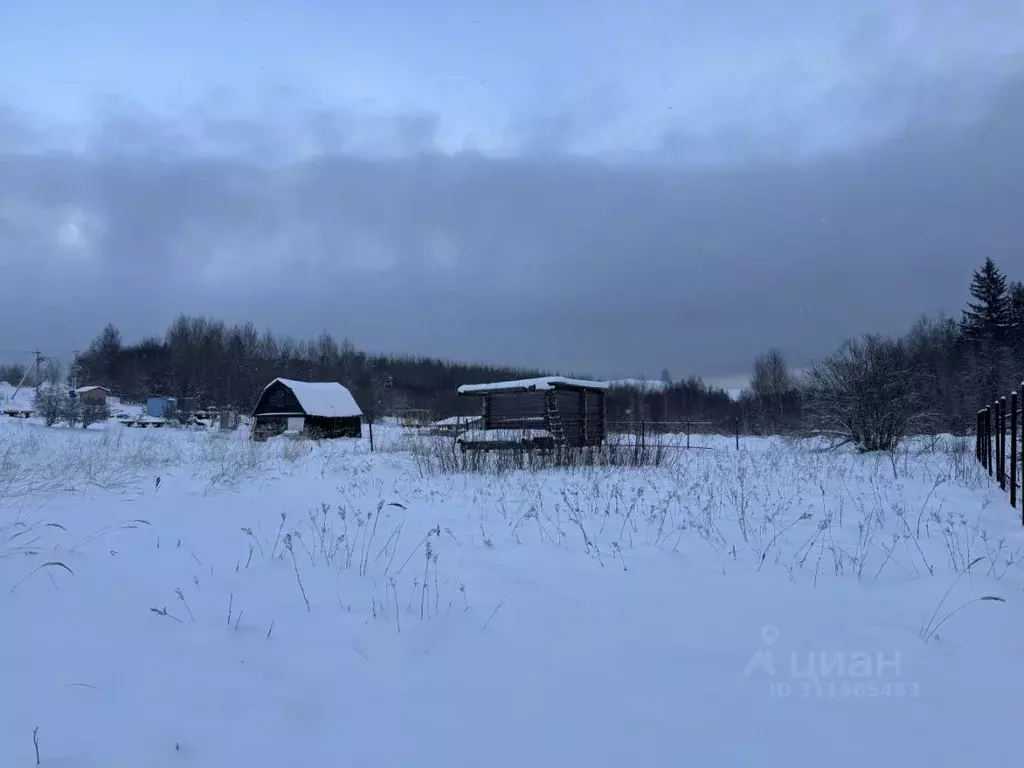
x: 321, y: 410
x: 547, y: 412
x: 92, y: 395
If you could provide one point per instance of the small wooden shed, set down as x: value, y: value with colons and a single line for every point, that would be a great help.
x: 546, y: 412
x: 320, y: 409
x: 93, y: 395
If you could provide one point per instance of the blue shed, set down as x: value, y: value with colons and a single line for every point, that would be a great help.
x: 161, y: 407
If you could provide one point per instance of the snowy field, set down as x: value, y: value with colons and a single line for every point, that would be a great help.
x: 178, y: 598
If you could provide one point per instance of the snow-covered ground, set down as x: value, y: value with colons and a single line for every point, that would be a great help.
x: 175, y: 598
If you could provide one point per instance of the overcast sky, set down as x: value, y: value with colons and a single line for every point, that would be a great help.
x: 613, y: 187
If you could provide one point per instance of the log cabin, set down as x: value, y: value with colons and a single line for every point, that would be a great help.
x: 547, y: 412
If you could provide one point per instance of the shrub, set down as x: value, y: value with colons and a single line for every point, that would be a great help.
x: 92, y: 413
x: 864, y: 394
x: 51, y: 404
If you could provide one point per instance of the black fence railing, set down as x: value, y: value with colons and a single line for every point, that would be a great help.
x: 674, y: 434
x: 1000, y: 427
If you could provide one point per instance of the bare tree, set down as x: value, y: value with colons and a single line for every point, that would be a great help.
x: 52, y: 372
x: 772, y: 389
x: 865, y: 394
x: 381, y: 393
x: 666, y: 387
x: 400, y: 401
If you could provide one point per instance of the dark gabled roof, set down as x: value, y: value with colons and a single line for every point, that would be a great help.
x: 321, y: 398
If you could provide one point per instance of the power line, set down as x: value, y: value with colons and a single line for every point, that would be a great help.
x: 9, y: 353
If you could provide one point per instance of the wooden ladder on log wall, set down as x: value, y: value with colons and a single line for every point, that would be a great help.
x: 555, y: 422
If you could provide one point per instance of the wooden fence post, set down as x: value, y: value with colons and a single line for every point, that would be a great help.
x: 737, y: 433
x: 1002, y: 443
x: 977, y: 437
x: 981, y: 423
x: 995, y: 440
x: 1003, y: 429
x: 988, y: 439
x: 981, y: 438
x: 1013, y: 450
x: 986, y: 432
x: 1020, y: 453
x: 984, y: 440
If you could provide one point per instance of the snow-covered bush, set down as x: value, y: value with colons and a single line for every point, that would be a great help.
x: 92, y: 413
x: 52, y: 404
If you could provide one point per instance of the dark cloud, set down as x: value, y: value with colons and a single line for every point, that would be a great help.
x: 543, y: 259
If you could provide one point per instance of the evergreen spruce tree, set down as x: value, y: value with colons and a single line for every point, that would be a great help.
x: 1016, y: 311
x: 988, y: 316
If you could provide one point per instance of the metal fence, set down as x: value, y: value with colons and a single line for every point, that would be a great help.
x: 675, y: 434
x: 999, y: 428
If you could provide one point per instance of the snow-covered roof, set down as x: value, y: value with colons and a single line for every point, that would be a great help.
x: 322, y: 398
x: 543, y: 383
x: 91, y: 388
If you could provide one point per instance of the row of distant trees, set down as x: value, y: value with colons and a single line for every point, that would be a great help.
x: 876, y: 389
x: 50, y: 372
x: 871, y: 391
x: 229, y: 365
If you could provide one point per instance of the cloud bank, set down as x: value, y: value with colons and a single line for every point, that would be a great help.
x: 694, y: 254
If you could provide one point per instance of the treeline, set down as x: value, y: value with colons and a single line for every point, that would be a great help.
x: 229, y: 365
x: 874, y: 389
x: 877, y: 388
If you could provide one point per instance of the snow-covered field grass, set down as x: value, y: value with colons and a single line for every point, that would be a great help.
x: 173, y: 598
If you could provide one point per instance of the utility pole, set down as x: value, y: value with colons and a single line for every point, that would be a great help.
x: 74, y: 372
x: 39, y: 360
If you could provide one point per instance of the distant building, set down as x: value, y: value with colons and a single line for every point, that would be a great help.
x: 321, y: 410
x: 229, y: 419
x: 93, y: 395
x: 538, y: 413
x: 457, y: 424
x: 162, y: 407
x: 414, y: 417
